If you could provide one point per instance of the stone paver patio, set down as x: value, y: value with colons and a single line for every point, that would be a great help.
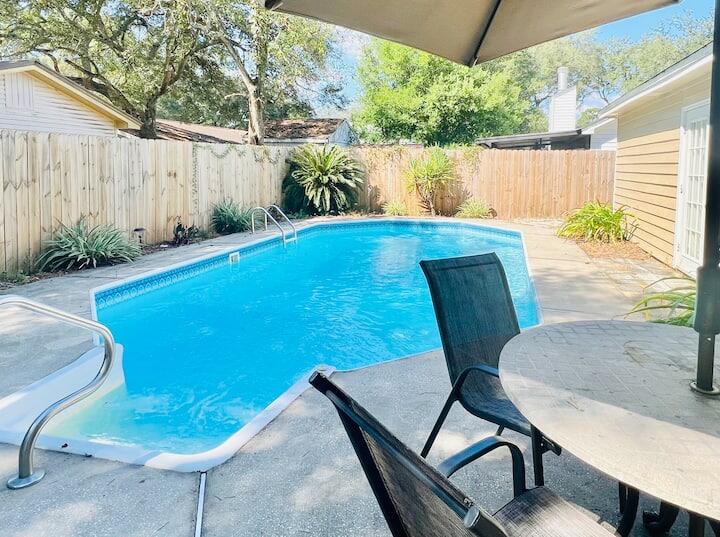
x: 299, y: 476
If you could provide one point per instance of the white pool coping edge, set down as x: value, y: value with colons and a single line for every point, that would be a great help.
x: 19, y: 409
x: 14, y: 421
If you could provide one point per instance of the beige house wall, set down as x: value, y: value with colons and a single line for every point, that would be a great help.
x: 647, y: 165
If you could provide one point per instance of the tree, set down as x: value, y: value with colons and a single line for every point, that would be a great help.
x: 278, y: 59
x: 130, y: 51
x: 604, y: 69
x: 408, y: 94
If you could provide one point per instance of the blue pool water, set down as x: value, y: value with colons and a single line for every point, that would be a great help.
x: 205, y: 354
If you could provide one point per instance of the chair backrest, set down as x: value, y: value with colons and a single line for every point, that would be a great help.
x: 415, y: 500
x: 473, y: 307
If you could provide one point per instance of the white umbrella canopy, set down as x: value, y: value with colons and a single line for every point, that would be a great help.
x: 468, y: 31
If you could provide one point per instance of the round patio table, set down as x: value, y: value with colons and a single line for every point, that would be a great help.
x: 616, y: 395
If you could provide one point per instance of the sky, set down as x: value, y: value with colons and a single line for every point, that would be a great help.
x: 351, y: 43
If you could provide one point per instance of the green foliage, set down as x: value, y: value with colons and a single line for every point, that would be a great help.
x: 408, y: 94
x: 429, y: 175
x: 322, y: 180
x: 472, y: 208
x: 229, y: 217
x: 80, y: 246
x: 395, y: 208
x: 674, y: 305
x: 597, y: 221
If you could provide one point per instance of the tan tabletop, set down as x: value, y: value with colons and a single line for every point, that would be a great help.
x: 616, y: 395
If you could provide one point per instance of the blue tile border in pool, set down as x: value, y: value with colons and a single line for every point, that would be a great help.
x: 125, y: 290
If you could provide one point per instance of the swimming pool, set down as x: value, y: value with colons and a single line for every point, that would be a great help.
x: 208, y: 345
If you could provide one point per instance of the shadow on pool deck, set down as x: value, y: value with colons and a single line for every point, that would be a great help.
x: 299, y: 476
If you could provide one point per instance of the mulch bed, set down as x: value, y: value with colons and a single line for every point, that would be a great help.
x: 614, y: 250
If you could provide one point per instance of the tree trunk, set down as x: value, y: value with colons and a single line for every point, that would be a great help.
x: 256, y: 122
x: 147, y: 127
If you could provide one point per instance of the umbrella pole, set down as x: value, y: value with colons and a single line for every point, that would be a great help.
x: 707, y: 317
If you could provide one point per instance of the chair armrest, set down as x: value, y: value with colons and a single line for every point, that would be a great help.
x: 482, y: 368
x: 451, y: 465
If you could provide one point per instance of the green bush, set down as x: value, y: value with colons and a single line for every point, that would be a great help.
x: 79, y: 247
x: 429, y: 175
x: 229, y: 217
x: 472, y: 208
x: 597, y: 221
x: 395, y: 208
x: 675, y: 305
x: 322, y: 180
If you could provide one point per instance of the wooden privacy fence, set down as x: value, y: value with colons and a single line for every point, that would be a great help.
x: 517, y: 184
x: 127, y: 182
x: 49, y: 179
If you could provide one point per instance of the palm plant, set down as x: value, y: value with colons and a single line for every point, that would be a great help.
x: 675, y: 305
x: 80, y: 246
x: 322, y: 180
x: 597, y: 221
x: 429, y: 175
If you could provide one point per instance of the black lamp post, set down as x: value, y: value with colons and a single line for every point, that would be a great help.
x: 707, y: 318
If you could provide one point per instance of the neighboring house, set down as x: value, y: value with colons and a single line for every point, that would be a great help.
x: 573, y: 139
x: 36, y: 98
x: 310, y: 131
x: 603, y: 134
x: 562, y: 122
x: 661, y: 165
x: 277, y: 132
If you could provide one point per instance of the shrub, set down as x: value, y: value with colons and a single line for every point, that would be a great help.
x: 597, y: 221
x: 80, y: 247
x: 675, y: 305
x: 229, y: 217
x: 429, y: 175
x: 395, y: 208
x: 322, y: 180
x: 472, y: 208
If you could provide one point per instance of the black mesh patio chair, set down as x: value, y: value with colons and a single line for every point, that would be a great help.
x: 418, y: 501
x: 476, y: 318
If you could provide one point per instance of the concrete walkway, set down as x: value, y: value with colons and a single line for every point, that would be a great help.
x: 299, y: 476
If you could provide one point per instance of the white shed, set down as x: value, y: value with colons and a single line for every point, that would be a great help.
x: 36, y: 98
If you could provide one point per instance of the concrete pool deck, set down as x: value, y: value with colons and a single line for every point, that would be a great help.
x: 299, y: 476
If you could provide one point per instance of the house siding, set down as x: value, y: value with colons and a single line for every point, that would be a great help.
x: 27, y: 103
x: 646, y: 170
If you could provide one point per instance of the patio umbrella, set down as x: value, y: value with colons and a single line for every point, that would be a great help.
x: 475, y: 31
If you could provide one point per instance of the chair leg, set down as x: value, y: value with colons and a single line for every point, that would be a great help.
x: 537, y: 453
x: 622, y: 496
x: 438, y: 424
x: 499, y: 431
x: 660, y: 522
x: 628, y: 508
x: 715, y: 527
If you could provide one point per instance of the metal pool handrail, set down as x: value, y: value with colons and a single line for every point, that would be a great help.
x: 267, y: 215
x: 26, y: 474
x: 285, y: 217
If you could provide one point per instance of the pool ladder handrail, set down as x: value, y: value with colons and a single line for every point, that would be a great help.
x: 27, y: 474
x: 267, y: 214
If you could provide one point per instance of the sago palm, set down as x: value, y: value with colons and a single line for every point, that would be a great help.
x: 328, y: 177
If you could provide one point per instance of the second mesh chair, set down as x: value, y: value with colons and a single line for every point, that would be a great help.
x: 476, y: 318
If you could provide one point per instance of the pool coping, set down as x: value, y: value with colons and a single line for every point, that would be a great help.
x: 205, y: 460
